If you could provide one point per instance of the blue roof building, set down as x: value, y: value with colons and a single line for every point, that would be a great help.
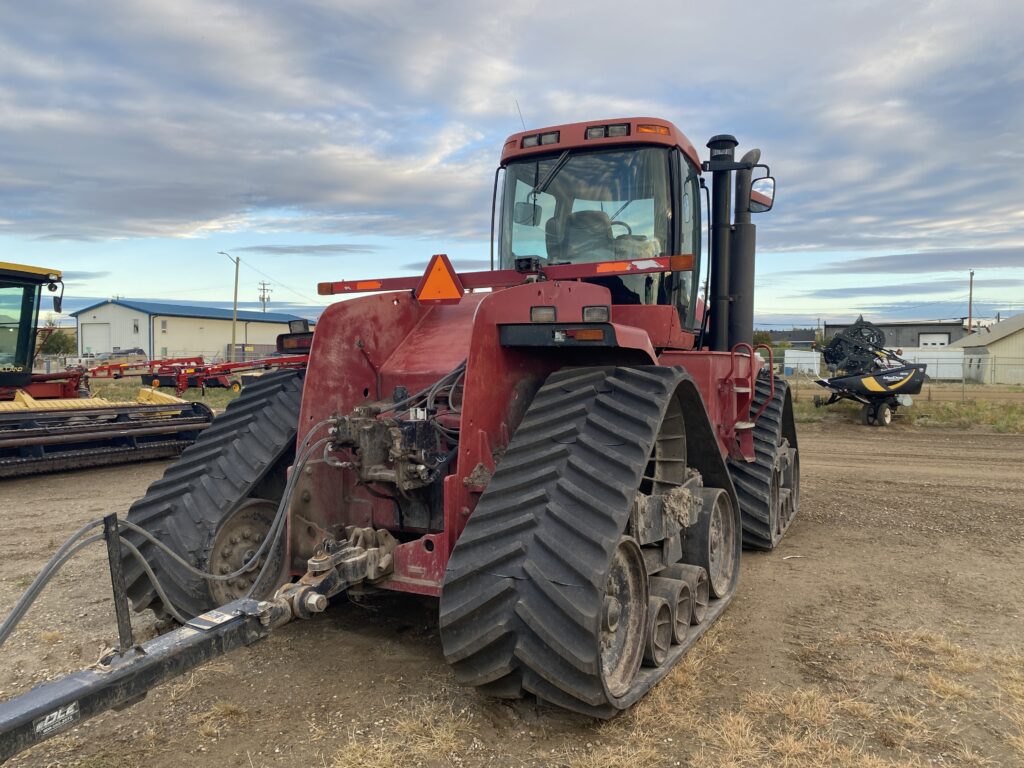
x: 162, y: 329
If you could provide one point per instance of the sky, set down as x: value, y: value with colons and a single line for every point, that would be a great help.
x: 336, y: 139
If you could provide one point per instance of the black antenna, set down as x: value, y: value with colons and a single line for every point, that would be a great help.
x: 520, y: 112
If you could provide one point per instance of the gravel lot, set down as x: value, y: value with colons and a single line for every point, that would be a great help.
x: 888, y: 629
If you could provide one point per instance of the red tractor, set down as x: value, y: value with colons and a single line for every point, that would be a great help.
x: 567, y: 450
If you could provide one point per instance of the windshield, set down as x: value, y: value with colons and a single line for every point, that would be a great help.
x: 592, y: 206
x: 18, y: 305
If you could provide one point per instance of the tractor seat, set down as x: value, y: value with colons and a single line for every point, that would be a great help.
x: 588, y: 237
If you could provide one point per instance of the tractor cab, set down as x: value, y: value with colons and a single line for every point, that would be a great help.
x: 587, y: 193
x: 20, y: 290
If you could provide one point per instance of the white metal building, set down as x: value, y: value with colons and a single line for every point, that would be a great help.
x: 995, y: 355
x: 174, y: 330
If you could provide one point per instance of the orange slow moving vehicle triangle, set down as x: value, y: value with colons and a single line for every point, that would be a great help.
x: 440, y: 284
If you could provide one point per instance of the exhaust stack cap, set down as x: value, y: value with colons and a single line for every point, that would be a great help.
x: 723, y: 147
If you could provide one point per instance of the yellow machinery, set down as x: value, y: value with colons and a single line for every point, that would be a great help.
x: 47, y: 420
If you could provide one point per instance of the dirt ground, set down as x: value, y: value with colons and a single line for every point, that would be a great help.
x: 888, y: 629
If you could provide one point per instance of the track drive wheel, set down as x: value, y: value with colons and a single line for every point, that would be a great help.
x: 548, y: 588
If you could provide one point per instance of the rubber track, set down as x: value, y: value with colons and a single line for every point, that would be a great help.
x: 253, y: 437
x: 752, y: 480
x: 524, y: 588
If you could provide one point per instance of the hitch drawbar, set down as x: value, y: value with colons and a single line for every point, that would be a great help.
x: 119, y: 680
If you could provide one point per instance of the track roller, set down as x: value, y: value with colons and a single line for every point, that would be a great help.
x: 696, y: 579
x: 659, y: 632
x: 680, y: 602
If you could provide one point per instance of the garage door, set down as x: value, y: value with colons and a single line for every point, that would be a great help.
x: 933, y: 340
x: 95, y: 337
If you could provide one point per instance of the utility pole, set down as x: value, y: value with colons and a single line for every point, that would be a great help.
x: 265, y: 291
x: 970, y: 305
x: 234, y: 308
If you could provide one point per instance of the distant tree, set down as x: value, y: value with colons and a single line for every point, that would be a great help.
x: 762, y: 337
x: 57, y: 341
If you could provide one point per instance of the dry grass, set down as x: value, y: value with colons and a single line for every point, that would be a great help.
x: 50, y: 637
x: 943, y: 688
x: 220, y: 716
x: 433, y: 733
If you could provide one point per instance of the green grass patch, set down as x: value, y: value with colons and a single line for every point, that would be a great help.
x: 217, y: 399
x: 1000, y: 416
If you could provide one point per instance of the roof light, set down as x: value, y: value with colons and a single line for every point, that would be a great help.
x: 659, y: 129
x: 601, y: 131
x: 549, y: 138
x: 531, y: 141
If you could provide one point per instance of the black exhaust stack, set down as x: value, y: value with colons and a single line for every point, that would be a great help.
x: 723, y: 152
x: 741, y: 258
x: 732, y: 246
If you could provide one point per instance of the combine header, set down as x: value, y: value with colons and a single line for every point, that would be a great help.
x: 570, y: 462
x: 49, y: 423
x: 868, y: 373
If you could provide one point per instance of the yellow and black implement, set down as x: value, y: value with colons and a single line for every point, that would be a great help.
x: 876, y: 377
x: 48, y: 422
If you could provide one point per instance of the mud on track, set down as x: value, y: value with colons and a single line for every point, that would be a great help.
x: 892, y: 635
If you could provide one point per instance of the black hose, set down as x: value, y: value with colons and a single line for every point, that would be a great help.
x: 72, y: 546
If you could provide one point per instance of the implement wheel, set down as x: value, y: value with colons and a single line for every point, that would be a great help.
x: 881, y: 415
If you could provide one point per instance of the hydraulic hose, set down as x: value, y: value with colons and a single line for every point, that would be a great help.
x: 75, y: 544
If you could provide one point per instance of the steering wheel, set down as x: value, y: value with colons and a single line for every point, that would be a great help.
x: 629, y: 229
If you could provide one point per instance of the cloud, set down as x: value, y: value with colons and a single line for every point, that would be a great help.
x: 121, y: 120
x: 327, y: 249
x: 80, y: 276
x: 908, y: 289
x: 929, y: 261
x: 462, y: 265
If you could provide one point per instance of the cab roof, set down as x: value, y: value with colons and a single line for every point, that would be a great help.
x: 642, y: 130
x: 28, y: 273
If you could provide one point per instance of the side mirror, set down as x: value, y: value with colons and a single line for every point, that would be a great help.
x: 762, y: 194
x: 527, y: 214
x: 58, y: 301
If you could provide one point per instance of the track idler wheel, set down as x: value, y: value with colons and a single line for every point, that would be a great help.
x: 237, y: 541
x: 714, y: 542
x: 696, y: 579
x: 624, y: 619
x: 680, y: 602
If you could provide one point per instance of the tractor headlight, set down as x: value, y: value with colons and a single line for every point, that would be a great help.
x: 600, y: 313
x: 542, y: 314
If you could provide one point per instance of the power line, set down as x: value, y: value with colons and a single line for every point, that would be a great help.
x: 278, y: 282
